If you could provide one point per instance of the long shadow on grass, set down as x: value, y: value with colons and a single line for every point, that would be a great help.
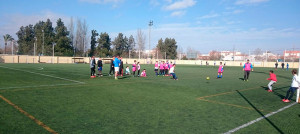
x: 260, y: 112
x: 285, y: 77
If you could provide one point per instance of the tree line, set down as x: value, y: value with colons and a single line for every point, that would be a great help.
x: 41, y: 38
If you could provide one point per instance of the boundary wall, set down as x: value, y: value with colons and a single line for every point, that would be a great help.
x: 70, y: 60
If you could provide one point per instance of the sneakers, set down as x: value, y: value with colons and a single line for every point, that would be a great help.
x: 283, y: 100
x: 270, y: 90
x: 286, y: 100
x: 116, y: 78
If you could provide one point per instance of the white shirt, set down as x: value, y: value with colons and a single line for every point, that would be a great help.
x: 171, y: 70
x: 295, y: 81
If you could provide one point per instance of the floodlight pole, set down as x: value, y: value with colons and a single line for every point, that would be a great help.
x: 12, y: 47
x: 53, y: 52
x: 150, y: 24
x: 43, y: 42
x: 297, y: 99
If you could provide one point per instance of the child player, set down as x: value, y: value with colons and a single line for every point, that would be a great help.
x: 220, y: 71
x: 138, y: 68
x: 143, y: 74
x: 134, y: 68
x: 156, y: 68
x: 161, y: 68
x: 127, y: 71
x: 100, y: 65
x: 294, y: 86
x: 172, y: 72
x: 272, y: 79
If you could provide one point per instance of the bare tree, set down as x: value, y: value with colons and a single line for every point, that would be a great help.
x: 81, y: 39
x: 141, y: 39
x: 257, y: 52
x: 71, y: 35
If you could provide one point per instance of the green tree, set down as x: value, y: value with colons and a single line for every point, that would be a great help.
x: 104, y: 43
x: 6, y: 37
x: 119, y: 44
x: 63, y: 43
x: 169, y: 47
x: 48, y: 37
x: 26, y: 39
x: 38, y: 31
x: 93, y: 42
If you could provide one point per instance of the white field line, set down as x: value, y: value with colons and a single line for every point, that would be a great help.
x: 44, y: 75
x: 53, y: 85
x: 258, y: 119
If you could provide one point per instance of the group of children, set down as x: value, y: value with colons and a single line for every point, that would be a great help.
x: 294, y: 86
x: 168, y: 69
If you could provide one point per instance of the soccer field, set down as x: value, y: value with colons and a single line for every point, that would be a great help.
x: 62, y: 98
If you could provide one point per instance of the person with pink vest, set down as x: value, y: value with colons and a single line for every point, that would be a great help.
x: 247, y: 68
x: 161, y: 68
x: 220, y: 71
x: 156, y: 68
x: 134, y: 68
x: 143, y: 74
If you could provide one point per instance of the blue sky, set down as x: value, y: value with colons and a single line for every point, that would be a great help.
x: 201, y: 25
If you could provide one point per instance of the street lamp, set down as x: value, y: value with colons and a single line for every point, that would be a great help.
x: 43, y: 43
x: 53, y: 44
x: 34, y: 46
x: 150, y: 24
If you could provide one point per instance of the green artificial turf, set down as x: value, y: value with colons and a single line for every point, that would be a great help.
x: 65, y: 98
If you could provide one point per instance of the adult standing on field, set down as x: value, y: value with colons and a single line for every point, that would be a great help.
x: 112, y: 66
x: 92, y: 66
x: 276, y: 65
x: 121, y: 67
x: 247, y: 68
x: 282, y: 65
x: 117, y: 67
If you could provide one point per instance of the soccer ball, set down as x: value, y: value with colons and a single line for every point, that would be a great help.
x: 207, y: 78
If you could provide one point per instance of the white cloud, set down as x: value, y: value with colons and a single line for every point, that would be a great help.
x: 206, y: 38
x: 247, y: 2
x: 180, y: 5
x: 178, y: 13
x: 208, y: 16
x: 101, y: 1
x: 115, y: 3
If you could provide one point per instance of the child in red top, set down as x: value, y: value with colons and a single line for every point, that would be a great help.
x: 272, y: 79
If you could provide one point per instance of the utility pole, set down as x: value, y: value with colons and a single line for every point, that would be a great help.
x: 12, y: 47
x: 150, y: 24
x: 43, y: 42
x: 34, y: 46
x: 53, y: 52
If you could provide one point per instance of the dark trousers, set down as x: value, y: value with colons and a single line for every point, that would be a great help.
x: 166, y: 71
x: 112, y: 69
x: 161, y: 72
x: 246, y: 75
x: 292, y: 91
x: 92, y: 71
x: 174, y: 75
x: 138, y: 73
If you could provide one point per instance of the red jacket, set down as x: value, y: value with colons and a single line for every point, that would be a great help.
x: 272, y: 77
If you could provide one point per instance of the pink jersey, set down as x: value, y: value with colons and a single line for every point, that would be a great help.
x: 166, y: 66
x: 143, y: 74
x: 161, y: 66
x: 133, y: 67
x: 156, y: 66
x: 171, y: 65
x: 220, y: 70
